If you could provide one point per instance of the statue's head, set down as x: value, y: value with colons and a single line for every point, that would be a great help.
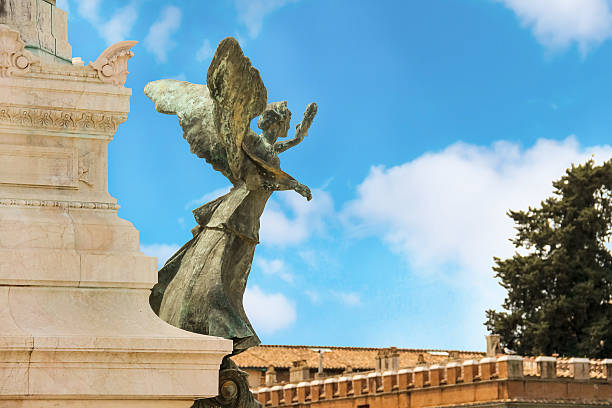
x: 275, y: 119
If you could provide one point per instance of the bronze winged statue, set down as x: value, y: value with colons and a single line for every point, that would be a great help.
x: 200, y: 288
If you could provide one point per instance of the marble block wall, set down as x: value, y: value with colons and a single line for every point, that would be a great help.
x: 76, y: 329
x: 43, y: 27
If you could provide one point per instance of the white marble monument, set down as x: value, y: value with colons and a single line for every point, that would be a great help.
x: 76, y: 329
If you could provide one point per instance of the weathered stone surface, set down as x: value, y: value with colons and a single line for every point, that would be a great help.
x: 41, y: 24
x: 14, y: 59
x: 200, y: 288
x: 111, y: 65
x: 76, y: 329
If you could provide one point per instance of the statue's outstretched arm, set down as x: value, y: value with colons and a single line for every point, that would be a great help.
x: 301, y: 130
x: 291, y: 184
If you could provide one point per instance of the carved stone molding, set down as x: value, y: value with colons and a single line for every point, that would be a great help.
x: 14, y: 59
x: 61, y: 204
x: 111, y: 65
x: 61, y: 120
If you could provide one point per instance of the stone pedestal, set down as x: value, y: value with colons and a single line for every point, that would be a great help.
x: 76, y: 329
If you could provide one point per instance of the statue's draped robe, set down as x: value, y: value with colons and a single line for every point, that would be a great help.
x: 214, y: 266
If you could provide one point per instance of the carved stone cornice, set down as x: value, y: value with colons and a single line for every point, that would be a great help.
x: 58, y: 119
x: 14, y: 59
x: 61, y: 204
x: 111, y: 65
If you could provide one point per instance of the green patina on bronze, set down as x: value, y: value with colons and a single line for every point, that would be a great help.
x: 201, y: 287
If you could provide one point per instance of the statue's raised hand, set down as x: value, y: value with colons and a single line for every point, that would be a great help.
x: 301, y: 130
x: 303, y: 190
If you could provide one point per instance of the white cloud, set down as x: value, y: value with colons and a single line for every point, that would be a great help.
x: 113, y: 30
x: 274, y: 267
x: 89, y: 10
x: 210, y: 196
x: 252, y: 13
x: 162, y: 252
x: 158, y: 41
x: 288, y: 218
x: 308, y: 217
x: 204, y: 52
x: 445, y: 212
x: 347, y: 298
x: 268, y: 312
x: 559, y: 23
x: 120, y: 25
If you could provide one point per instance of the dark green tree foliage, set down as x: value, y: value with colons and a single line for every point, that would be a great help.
x: 560, y: 285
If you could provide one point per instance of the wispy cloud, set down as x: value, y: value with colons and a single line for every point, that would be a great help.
x: 204, y: 52
x: 268, y: 312
x: 158, y: 40
x: 558, y: 23
x: 89, y: 9
x: 120, y: 25
x: 310, y: 258
x: 210, y: 196
x: 179, y: 77
x: 64, y: 5
x: 117, y: 28
x: 241, y: 40
x: 346, y: 298
x: 313, y: 295
x: 276, y: 267
x: 252, y: 13
x: 351, y: 299
x: 290, y: 219
x: 162, y: 252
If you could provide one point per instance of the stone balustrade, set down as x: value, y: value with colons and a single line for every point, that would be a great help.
x: 469, y: 372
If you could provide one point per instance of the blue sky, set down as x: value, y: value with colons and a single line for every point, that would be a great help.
x: 435, y: 117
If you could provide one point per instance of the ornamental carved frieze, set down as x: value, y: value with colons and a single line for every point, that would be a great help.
x: 111, y: 65
x: 14, y: 59
x: 9, y: 202
x: 55, y: 119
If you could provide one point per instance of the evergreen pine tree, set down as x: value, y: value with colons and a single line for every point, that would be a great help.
x: 560, y: 287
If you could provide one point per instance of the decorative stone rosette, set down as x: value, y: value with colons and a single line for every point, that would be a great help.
x: 111, y: 65
x: 14, y: 59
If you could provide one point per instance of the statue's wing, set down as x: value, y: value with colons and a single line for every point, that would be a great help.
x: 195, y: 110
x: 239, y: 96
